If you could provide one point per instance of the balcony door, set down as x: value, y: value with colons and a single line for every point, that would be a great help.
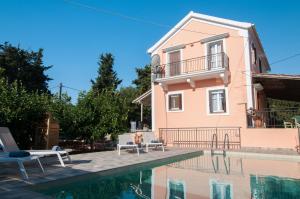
x: 174, y: 63
x: 214, y: 55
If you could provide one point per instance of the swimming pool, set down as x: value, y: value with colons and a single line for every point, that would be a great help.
x: 200, y: 176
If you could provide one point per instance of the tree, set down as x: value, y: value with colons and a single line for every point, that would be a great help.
x: 63, y: 111
x: 107, y: 77
x: 129, y: 94
x: 100, y: 114
x: 22, y: 111
x: 24, y: 67
x: 143, y: 84
x: 143, y: 80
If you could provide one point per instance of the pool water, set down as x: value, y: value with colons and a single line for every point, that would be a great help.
x: 190, y: 177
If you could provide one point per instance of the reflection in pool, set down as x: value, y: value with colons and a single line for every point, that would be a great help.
x: 209, y: 177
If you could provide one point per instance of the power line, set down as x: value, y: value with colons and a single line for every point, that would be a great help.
x: 136, y: 19
x: 75, y: 89
x: 286, y: 58
x: 53, y: 87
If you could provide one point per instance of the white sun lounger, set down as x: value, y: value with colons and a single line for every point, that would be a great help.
x: 9, y: 144
x: 4, y: 158
x: 124, y: 140
x: 149, y: 141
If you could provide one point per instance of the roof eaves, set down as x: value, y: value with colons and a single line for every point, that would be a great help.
x: 141, y: 97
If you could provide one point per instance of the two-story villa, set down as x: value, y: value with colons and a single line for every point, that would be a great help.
x: 208, y: 78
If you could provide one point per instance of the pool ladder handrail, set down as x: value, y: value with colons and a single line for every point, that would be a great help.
x: 215, y: 140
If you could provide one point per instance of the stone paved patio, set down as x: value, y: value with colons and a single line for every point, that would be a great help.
x: 12, y: 186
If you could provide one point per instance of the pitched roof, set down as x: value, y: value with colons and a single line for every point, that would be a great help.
x: 193, y: 15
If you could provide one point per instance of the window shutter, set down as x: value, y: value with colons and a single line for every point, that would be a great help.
x: 170, y: 102
x: 180, y: 101
x: 224, y: 100
x: 210, y: 102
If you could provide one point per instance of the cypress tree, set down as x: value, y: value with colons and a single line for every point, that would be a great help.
x: 107, y: 78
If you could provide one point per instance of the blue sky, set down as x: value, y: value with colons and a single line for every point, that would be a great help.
x: 73, y: 37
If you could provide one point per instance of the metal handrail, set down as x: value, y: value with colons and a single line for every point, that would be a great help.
x: 216, y: 141
x: 226, y: 138
x: 272, y: 117
x: 202, y: 137
x: 197, y: 64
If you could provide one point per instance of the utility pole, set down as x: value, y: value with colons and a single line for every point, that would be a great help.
x: 60, y: 90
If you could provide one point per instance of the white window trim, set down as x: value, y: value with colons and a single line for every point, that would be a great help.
x: 207, y: 100
x: 182, y: 101
x: 168, y: 60
x: 206, y: 48
x: 176, y: 181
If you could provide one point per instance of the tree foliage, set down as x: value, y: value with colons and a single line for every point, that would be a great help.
x: 24, y: 67
x: 25, y: 99
x: 143, y: 84
x: 107, y: 77
x: 22, y: 111
x: 129, y: 94
x: 100, y: 114
x: 282, y: 111
x: 63, y: 111
x: 143, y: 80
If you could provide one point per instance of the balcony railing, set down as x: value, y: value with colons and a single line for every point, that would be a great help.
x: 274, y: 118
x: 198, y: 64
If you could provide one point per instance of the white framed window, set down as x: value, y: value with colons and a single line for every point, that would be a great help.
x: 215, y: 56
x: 174, y: 59
x: 175, y: 101
x: 176, y: 189
x: 217, y: 101
x: 214, y: 52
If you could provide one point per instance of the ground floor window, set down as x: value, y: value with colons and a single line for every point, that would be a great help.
x: 175, y: 102
x: 217, y: 101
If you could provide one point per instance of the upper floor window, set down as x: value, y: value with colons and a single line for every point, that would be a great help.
x: 174, y: 63
x: 217, y: 101
x: 175, y: 102
x: 214, y: 54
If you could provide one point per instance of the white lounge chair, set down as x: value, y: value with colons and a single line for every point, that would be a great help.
x: 9, y: 145
x: 126, y: 141
x: 149, y: 140
x: 4, y: 158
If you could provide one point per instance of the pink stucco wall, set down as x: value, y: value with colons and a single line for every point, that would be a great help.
x: 270, y: 138
x: 195, y: 103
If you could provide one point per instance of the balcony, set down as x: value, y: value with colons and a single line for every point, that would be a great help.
x: 190, y: 70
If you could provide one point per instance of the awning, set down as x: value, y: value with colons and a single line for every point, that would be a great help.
x: 279, y: 86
